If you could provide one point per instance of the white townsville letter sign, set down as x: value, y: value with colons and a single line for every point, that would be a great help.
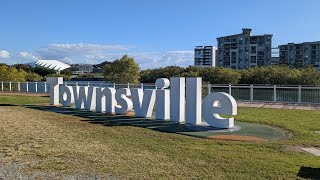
x: 66, y: 95
x: 124, y: 103
x: 162, y: 99
x: 193, y: 103
x: 106, y: 100
x: 219, y: 103
x: 54, y: 89
x: 84, y: 97
x: 178, y: 100
x: 143, y: 102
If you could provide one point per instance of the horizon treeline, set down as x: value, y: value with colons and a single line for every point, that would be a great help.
x: 274, y: 74
x: 23, y: 73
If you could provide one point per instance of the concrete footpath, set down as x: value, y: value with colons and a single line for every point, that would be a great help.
x: 279, y: 105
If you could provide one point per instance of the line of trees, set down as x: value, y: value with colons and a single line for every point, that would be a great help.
x: 125, y: 70
x: 23, y: 72
x: 281, y: 75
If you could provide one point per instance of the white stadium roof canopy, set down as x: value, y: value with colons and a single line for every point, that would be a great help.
x: 53, y: 64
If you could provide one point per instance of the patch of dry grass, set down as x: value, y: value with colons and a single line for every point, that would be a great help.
x: 62, y: 144
x: 57, y: 145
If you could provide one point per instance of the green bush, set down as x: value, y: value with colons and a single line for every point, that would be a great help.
x: 209, y: 75
x: 124, y: 70
x: 33, y: 77
x: 12, y: 74
x: 278, y: 75
x: 66, y: 72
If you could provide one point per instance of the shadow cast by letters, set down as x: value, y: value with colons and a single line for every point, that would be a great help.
x: 117, y: 120
x: 309, y: 173
x: 8, y: 105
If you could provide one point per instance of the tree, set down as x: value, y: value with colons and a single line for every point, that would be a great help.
x: 219, y: 75
x: 26, y: 67
x: 33, y: 77
x: 192, y: 71
x: 282, y: 75
x: 43, y: 71
x: 67, y: 72
x: 123, y: 70
x: 11, y: 74
x: 151, y: 75
x: 309, y: 76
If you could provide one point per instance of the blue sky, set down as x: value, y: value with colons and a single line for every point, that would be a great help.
x: 156, y: 33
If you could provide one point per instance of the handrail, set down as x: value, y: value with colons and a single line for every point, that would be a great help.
x: 252, y: 92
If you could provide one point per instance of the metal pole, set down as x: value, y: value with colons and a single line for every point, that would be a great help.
x: 88, y: 84
x: 19, y: 86
x: 45, y: 87
x: 251, y: 92
x: 128, y: 85
x: 114, y: 85
x: 141, y: 85
x: 10, y: 86
x: 2, y: 85
x: 36, y: 84
x: 274, y: 93
x: 27, y: 86
x: 230, y: 89
x: 209, y: 89
x: 299, y: 94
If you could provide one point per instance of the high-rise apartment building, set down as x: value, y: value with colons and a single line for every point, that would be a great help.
x: 205, y: 56
x: 244, y: 50
x: 306, y: 53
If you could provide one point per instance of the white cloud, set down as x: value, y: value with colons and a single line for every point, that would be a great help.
x: 79, y: 53
x: 97, y: 53
x: 28, y: 56
x: 149, y: 60
x: 4, y: 54
x: 81, y: 47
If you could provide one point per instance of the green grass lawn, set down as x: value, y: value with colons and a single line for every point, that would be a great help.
x: 63, y: 145
x: 22, y: 99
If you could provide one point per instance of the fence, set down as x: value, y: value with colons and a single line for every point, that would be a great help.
x: 43, y: 87
x: 296, y: 94
x: 36, y: 87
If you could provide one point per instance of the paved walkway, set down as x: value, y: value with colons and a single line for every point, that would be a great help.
x: 279, y: 105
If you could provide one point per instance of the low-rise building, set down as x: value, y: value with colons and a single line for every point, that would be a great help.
x: 81, y: 68
x: 300, y: 54
x: 205, y: 56
x: 244, y: 50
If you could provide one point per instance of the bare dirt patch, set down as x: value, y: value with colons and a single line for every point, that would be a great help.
x: 236, y: 138
x: 294, y: 148
x: 4, y: 109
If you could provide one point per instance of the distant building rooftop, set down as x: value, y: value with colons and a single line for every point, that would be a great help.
x: 52, y: 64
